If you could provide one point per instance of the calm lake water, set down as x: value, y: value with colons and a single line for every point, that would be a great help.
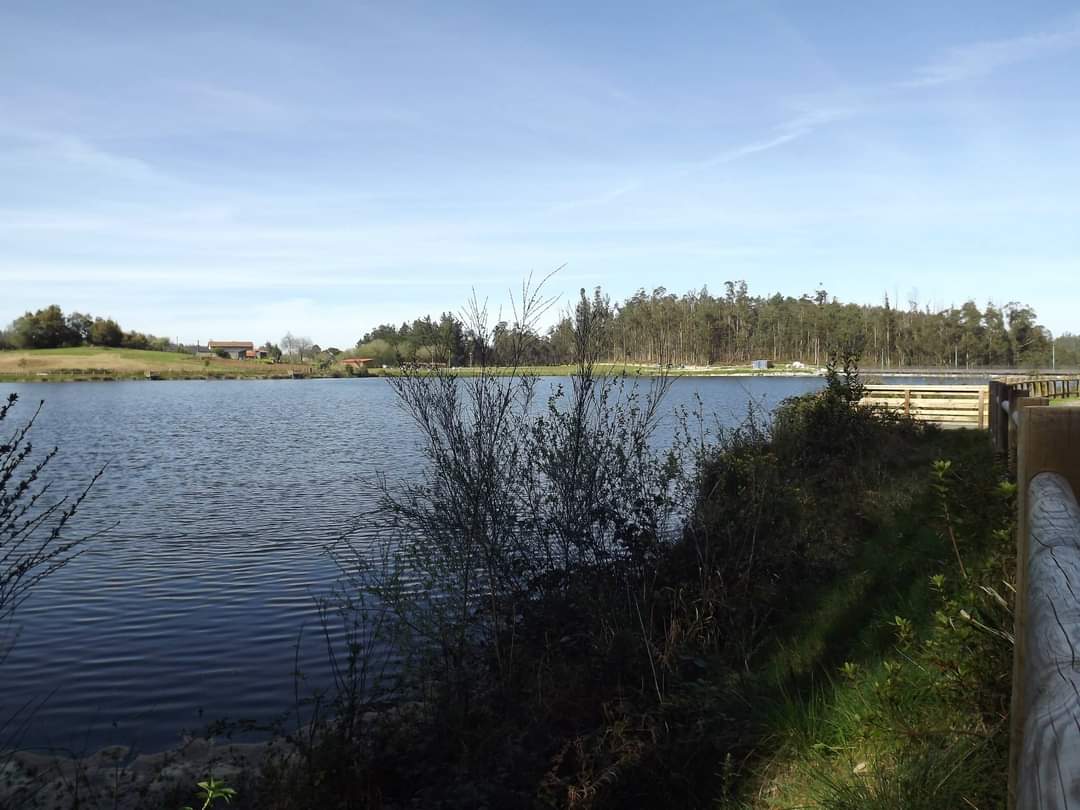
x: 216, y: 508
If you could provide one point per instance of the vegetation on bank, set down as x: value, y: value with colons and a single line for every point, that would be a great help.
x: 827, y: 627
x: 698, y: 328
x: 808, y: 610
x: 50, y: 328
x: 701, y: 328
x: 98, y: 363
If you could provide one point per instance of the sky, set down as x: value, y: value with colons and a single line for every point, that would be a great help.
x: 233, y: 171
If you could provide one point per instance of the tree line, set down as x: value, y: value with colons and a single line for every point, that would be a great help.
x: 696, y: 328
x: 735, y: 327
x: 50, y: 328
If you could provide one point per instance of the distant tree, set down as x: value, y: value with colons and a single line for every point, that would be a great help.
x: 1026, y: 337
x: 297, y: 346
x: 45, y: 329
x: 80, y: 324
x: 304, y: 348
x: 105, y: 332
x: 272, y: 350
x: 386, y: 331
x: 379, y: 350
x: 1066, y: 350
x: 135, y: 340
x: 998, y: 351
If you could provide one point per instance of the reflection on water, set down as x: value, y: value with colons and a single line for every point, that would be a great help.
x: 218, y: 503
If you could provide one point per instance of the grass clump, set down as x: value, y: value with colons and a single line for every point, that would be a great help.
x: 908, y: 707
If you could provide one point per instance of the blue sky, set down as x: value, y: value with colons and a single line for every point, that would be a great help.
x: 235, y: 170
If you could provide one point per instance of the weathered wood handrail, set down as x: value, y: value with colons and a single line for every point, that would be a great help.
x: 1048, y: 764
x: 1003, y: 395
x: 1044, y: 758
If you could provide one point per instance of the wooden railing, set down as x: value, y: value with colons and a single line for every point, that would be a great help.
x: 1052, y: 387
x: 961, y: 405
x: 1044, y: 757
x: 1008, y: 395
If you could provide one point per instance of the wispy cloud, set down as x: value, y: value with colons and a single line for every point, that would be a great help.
x: 70, y: 149
x: 980, y: 59
x: 791, y: 130
x: 253, y: 108
x: 600, y: 198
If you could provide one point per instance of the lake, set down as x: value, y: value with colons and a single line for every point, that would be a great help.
x: 216, y: 508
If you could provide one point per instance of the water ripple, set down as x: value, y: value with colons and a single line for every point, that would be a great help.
x: 218, y: 504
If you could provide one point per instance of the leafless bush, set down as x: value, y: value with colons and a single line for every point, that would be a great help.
x: 521, y: 498
x: 35, y: 539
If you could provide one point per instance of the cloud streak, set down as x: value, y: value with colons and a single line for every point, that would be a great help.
x: 980, y: 59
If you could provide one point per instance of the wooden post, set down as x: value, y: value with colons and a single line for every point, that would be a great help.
x: 993, y: 389
x: 907, y: 402
x: 1044, y: 753
x: 982, y: 408
x: 1001, y: 425
x: 1017, y: 405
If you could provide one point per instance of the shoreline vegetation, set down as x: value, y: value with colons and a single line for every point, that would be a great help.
x: 811, y: 608
x: 105, y: 364
x: 829, y: 630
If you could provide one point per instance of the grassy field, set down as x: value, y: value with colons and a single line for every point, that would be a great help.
x: 101, y: 363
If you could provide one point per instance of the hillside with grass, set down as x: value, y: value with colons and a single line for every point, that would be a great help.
x: 103, y: 363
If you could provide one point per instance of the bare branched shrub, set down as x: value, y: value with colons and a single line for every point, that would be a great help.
x: 523, y: 497
x: 35, y: 539
x: 35, y: 542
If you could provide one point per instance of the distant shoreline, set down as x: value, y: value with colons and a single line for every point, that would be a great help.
x: 97, y: 364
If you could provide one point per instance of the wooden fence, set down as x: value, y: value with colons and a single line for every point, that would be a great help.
x: 974, y: 406
x: 961, y: 405
x: 1044, y: 757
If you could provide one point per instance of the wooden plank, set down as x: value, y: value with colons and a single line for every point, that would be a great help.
x: 971, y: 405
x: 939, y: 416
x: 1049, y: 443
x: 885, y: 395
x: 969, y: 416
x: 995, y: 411
x: 960, y: 388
